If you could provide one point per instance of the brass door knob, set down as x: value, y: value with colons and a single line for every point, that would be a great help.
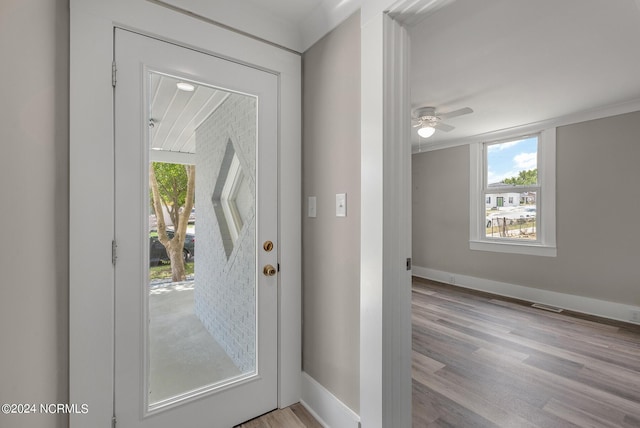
x: 269, y: 270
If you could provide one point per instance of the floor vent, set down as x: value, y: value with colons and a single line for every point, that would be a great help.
x: 546, y: 307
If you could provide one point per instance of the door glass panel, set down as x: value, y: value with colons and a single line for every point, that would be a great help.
x: 202, y: 259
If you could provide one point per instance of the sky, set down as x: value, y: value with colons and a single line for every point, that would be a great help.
x: 506, y: 160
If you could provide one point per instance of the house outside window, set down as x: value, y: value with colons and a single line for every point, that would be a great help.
x: 513, y: 195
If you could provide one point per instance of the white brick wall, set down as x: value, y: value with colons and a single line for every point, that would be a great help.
x: 225, y: 287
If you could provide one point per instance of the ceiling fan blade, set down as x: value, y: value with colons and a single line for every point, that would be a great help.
x: 415, y: 125
x: 454, y: 113
x: 444, y: 127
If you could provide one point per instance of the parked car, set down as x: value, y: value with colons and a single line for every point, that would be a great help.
x: 158, y: 254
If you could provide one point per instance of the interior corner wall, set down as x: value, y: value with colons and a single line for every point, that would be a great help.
x: 34, y: 135
x: 598, y: 201
x: 224, y: 296
x: 330, y: 244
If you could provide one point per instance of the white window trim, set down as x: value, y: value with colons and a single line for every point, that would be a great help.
x: 546, y: 245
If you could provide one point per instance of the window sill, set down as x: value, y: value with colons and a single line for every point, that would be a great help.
x: 514, y: 248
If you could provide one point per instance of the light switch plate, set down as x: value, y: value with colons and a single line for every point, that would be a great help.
x: 341, y: 205
x: 311, y: 207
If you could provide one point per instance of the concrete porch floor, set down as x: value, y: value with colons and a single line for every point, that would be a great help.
x: 183, y: 355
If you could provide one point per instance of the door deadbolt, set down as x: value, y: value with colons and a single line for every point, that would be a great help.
x: 268, y: 246
x: 269, y: 270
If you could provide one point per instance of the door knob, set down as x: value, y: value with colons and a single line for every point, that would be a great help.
x: 269, y: 270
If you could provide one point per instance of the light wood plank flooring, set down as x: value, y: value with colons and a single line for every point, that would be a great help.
x: 486, y: 361
x: 295, y: 416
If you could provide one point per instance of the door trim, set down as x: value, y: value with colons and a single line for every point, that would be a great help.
x: 385, y: 284
x: 91, y: 332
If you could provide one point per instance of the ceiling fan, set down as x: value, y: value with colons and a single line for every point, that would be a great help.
x: 427, y: 120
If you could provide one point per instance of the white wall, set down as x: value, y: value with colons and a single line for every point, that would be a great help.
x: 225, y: 284
x: 34, y: 290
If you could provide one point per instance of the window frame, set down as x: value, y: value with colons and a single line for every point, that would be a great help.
x: 508, y: 188
x: 545, y: 243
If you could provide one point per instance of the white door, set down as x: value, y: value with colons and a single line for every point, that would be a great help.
x: 195, y: 334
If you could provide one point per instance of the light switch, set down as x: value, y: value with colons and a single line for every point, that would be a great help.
x: 311, y: 207
x: 341, y: 205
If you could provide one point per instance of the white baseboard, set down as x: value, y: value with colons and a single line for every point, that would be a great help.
x: 585, y: 305
x: 326, y: 407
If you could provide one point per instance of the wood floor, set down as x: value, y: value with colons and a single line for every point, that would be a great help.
x: 483, y: 361
x: 295, y: 416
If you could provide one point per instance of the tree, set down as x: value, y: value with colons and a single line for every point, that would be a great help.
x: 173, y: 186
x: 524, y: 178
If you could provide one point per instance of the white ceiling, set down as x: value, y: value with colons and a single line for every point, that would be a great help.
x: 176, y: 114
x: 290, y: 10
x: 518, y: 62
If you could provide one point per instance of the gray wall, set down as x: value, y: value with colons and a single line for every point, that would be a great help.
x: 331, y: 245
x: 34, y: 135
x: 598, y: 211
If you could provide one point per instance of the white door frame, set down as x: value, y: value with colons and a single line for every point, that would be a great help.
x: 385, y: 302
x: 92, y: 189
x: 385, y: 281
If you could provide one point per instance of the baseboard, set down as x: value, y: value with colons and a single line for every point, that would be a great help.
x: 329, y: 411
x: 585, y: 305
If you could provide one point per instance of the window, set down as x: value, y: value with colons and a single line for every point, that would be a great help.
x: 513, y: 195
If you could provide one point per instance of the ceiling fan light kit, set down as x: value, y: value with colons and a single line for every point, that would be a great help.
x: 428, y: 120
x: 426, y: 131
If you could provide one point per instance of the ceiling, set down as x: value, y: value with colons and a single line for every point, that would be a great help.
x: 176, y: 114
x: 519, y: 62
x: 290, y: 10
